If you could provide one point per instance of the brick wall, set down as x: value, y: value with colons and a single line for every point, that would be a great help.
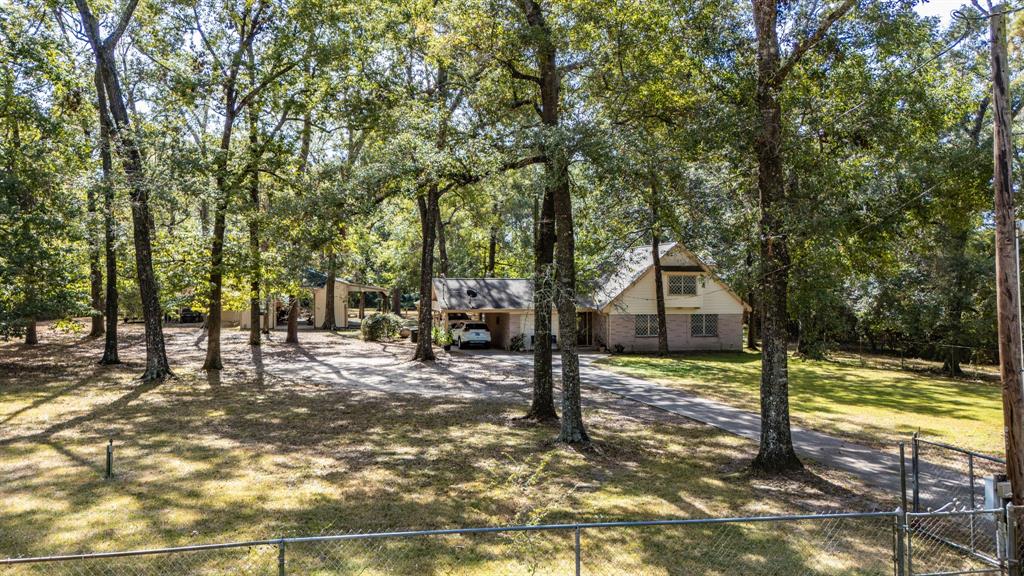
x: 622, y: 330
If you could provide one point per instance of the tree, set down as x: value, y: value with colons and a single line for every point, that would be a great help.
x: 110, y: 354
x: 157, y: 367
x: 230, y: 55
x: 39, y: 110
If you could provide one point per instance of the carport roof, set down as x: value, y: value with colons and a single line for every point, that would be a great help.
x: 483, y: 293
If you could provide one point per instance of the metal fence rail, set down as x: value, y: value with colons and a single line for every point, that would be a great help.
x: 956, y: 542
x: 852, y: 543
x: 942, y: 474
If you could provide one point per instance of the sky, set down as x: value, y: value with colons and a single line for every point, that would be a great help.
x: 941, y: 8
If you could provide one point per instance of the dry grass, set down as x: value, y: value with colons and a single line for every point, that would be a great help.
x: 202, y: 460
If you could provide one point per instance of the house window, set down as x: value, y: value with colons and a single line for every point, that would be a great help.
x: 704, y: 325
x: 645, y: 325
x: 681, y: 285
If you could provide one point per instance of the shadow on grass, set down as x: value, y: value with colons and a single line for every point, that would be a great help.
x: 201, y: 461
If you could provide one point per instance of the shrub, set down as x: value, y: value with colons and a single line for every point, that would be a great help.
x: 380, y: 326
x: 442, y: 335
x: 518, y: 343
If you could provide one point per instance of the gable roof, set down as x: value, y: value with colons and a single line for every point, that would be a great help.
x: 637, y: 261
x: 483, y: 293
x: 517, y: 293
x: 633, y: 263
x: 316, y: 279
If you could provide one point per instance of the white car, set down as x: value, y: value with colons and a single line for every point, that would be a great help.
x: 466, y: 334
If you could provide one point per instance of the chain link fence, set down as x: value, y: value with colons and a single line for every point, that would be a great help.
x: 876, y: 543
x: 956, y: 542
x: 944, y: 476
x: 856, y: 543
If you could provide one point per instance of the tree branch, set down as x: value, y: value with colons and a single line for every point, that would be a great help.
x: 811, y: 41
x: 122, y: 24
x: 518, y: 75
x: 245, y: 100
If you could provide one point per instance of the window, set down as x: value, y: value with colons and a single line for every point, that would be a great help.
x: 703, y: 325
x: 680, y: 285
x: 646, y: 325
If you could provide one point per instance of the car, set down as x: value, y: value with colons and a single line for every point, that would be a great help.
x: 189, y: 316
x: 465, y: 334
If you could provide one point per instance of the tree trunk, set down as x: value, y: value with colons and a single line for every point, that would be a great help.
x: 95, y: 274
x: 573, y: 431
x: 492, y: 252
x: 157, y: 367
x: 542, y: 407
x: 304, y: 143
x: 776, y: 452
x: 213, y: 322
x: 396, y: 300
x: 442, y: 242
x: 330, y: 322
x: 753, y: 317
x: 428, y: 209
x: 753, y: 323
x: 959, y: 295
x: 110, y: 355
x: 255, y: 262
x: 362, y: 304
x: 659, y: 282
x: 31, y: 334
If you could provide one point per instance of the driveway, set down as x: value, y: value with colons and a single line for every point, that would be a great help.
x: 875, y: 467
x: 334, y: 359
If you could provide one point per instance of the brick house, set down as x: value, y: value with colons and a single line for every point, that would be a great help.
x: 702, y: 313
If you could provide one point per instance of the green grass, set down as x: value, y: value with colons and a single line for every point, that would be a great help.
x: 873, y: 404
x: 199, y: 460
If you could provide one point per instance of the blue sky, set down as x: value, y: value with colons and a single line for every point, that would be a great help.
x: 941, y: 8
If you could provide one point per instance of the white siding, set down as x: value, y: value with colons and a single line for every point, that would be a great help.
x: 340, y: 305
x: 712, y: 296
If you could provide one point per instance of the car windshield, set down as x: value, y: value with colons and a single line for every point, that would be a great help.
x: 476, y: 326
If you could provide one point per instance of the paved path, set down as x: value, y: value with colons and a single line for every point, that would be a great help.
x: 875, y: 467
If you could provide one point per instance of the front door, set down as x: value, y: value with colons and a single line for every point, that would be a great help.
x: 584, y: 328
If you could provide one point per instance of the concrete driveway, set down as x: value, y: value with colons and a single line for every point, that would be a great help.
x: 875, y: 467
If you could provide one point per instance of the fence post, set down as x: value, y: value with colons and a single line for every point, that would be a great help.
x: 1012, y: 566
x: 901, y: 554
x: 970, y: 478
x: 909, y: 533
x: 578, y: 550
x: 280, y: 558
x: 903, y: 476
x: 915, y: 471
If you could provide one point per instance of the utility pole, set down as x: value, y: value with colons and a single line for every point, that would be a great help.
x: 1007, y: 263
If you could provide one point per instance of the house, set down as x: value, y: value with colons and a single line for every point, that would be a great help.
x: 702, y: 313
x: 317, y: 282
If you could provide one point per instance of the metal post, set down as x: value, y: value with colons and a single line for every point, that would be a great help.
x: 970, y: 478
x: 577, y: 551
x: 901, y: 555
x: 903, y: 476
x: 1012, y: 566
x: 110, y: 460
x: 280, y: 558
x: 915, y: 470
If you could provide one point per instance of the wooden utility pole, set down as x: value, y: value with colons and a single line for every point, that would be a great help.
x: 1007, y: 264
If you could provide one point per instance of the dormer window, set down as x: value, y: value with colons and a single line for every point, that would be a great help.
x: 682, y: 285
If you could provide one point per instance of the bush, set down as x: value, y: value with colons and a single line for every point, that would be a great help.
x: 380, y: 326
x: 518, y: 343
x: 442, y: 336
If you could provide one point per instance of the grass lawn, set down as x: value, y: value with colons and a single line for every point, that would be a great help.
x: 873, y: 403
x: 199, y: 460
